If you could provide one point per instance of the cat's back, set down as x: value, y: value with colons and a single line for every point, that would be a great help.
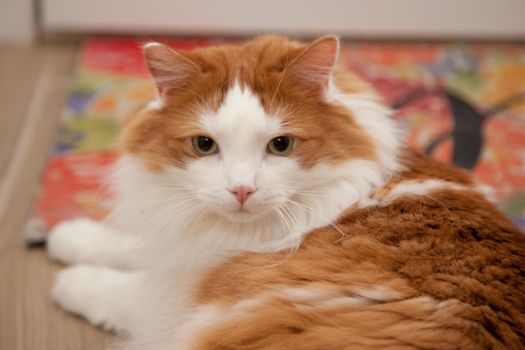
x: 425, y: 262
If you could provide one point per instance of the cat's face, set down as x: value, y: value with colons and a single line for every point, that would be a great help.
x: 245, y: 168
x: 246, y: 131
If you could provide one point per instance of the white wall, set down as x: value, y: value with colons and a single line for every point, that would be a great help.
x: 493, y: 19
x: 485, y: 19
x: 16, y: 21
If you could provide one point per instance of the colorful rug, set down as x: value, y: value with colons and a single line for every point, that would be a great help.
x: 461, y: 103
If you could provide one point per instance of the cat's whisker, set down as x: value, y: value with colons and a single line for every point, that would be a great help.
x: 313, y: 195
x: 286, y: 233
x: 163, y: 211
x: 172, y: 198
x: 319, y: 215
x: 166, y: 185
x: 158, y: 225
x: 291, y: 233
x: 295, y: 235
x: 287, y: 223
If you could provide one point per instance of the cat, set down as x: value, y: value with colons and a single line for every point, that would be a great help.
x: 266, y: 200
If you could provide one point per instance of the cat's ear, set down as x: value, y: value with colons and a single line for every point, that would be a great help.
x: 314, y: 64
x: 169, y: 68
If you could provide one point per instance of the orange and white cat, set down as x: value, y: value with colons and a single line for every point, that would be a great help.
x: 266, y: 201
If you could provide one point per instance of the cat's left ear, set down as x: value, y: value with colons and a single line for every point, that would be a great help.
x: 169, y: 68
x: 314, y: 64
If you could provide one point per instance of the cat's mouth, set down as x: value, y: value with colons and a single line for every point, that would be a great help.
x: 250, y: 211
x: 243, y: 214
x: 242, y: 210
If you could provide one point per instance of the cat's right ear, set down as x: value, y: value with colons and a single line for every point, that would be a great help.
x: 169, y: 68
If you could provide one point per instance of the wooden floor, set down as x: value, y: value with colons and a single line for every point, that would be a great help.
x: 34, y: 83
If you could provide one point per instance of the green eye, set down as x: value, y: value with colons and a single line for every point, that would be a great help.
x: 204, y: 145
x: 280, y: 145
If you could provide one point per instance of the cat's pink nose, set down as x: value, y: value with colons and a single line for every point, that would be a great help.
x: 242, y: 193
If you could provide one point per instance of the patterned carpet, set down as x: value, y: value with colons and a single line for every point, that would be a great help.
x: 461, y: 103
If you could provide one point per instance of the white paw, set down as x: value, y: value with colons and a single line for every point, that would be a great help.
x: 93, y: 293
x: 76, y: 241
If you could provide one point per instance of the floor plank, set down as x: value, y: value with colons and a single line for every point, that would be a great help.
x: 34, y: 83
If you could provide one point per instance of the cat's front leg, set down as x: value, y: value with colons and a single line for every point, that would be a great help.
x: 105, y: 297
x: 86, y: 241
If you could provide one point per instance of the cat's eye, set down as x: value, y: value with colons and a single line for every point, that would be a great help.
x: 280, y: 145
x: 204, y: 145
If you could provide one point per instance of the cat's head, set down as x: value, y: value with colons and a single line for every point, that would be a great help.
x: 247, y: 130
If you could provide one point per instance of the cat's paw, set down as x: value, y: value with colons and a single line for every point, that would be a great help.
x: 93, y: 293
x: 76, y: 241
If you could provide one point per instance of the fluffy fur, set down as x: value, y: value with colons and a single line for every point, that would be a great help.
x: 348, y: 242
